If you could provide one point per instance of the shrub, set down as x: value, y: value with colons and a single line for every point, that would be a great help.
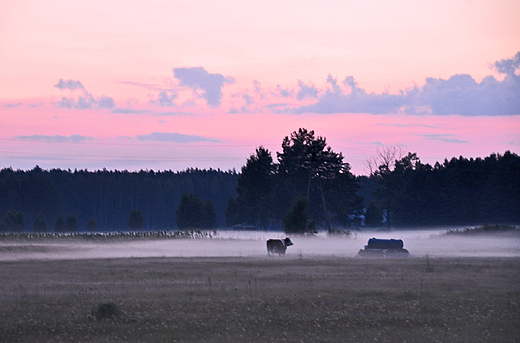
x: 109, y: 311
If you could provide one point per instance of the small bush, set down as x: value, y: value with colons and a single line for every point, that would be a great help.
x: 340, y: 233
x: 497, y: 228
x: 108, y: 311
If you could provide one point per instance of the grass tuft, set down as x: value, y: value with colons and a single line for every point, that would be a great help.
x: 108, y: 310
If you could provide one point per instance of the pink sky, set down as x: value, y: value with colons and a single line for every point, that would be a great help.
x: 177, y: 84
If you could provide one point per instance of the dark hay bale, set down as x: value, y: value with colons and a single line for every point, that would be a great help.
x: 108, y: 311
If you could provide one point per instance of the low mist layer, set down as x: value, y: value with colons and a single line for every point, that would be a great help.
x: 420, y: 243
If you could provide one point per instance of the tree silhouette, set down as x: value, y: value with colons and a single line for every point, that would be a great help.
x: 192, y: 213
x: 255, y: 187
x: 297, y: 219
x: 59, y: 225
x: 373, y: 215
x: 232, y: 216
x: 13, y: 221
x: 209, y: 217
x: 91, y: 225
x: 313, y: 170
x: 71, y: 222
x: 39, y: 224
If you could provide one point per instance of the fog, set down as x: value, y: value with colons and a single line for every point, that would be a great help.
x: 419, y: 243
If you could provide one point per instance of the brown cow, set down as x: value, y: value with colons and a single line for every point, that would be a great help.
x: 278, y: 246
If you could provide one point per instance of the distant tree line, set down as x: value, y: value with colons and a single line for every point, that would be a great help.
x: 308, y: 187
x: 459, y: 191
x: 64, y: 200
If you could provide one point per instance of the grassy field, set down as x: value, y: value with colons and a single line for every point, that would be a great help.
x: 274, y: 299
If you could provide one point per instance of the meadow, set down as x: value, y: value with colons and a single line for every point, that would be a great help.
x: 296, y: 298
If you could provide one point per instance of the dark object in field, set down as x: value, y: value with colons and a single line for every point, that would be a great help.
x: 278, y: 246
x: 108, y: 311
x: 384, y: 248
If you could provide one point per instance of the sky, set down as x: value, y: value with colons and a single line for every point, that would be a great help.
x: 170, y: 85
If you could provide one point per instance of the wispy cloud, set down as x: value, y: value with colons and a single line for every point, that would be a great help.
x: 165, y: 99
x: 146, y: 85
x: 56, y: 138
x: 13, y: 105
x: 41, y: 103
x: 175, y: 138
x: 444, y: 137
x: 128, y: 111
x: 408, y: 125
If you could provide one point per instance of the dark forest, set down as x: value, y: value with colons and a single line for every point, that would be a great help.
x: 307, y: 175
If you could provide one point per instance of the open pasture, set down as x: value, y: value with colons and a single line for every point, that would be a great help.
x: 296, y: 298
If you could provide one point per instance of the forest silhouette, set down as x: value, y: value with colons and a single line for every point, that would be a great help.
x: 308, y: 182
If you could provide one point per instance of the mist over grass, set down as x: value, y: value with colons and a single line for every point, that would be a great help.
x: 433, y: 242
x: 222, y: 287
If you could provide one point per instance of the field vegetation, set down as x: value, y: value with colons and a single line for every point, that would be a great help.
x: 488, y: 228
x: 103, y: 236
x: 291, y: 299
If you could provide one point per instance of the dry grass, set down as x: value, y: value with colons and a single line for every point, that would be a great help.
x: 262, y: 300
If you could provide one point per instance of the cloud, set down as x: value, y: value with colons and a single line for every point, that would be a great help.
x: 286, y: 93
x: 178, y: 113
x: 13, y: 105
x: 445, y: 137
x: 174, y: 137
x: 85, y: 101
x: 408, y: 125
x: 248, y: 99
x: 198, y: 78
x: 144, y: 85
x: 378, y: 143
x: 106, y: 102
x: 335, y: 100
x: 306, y: 91
x: 460, y: 94
x: 128, y: 111
x: 69, y: 84
x: 165, y: 100
x: 275, y: 105
x: 41, y: 103
x: 509, y: 66
x: 56, y: 138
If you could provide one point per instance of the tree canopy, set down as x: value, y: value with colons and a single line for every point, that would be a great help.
x: 457, y: 192
x: 307, y: 168
x: 108, y: 196
x: 192, y: 213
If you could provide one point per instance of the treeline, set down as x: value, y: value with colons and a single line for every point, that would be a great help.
x: 459, y: 191
x: 70, y: 200
x: 305, y: 187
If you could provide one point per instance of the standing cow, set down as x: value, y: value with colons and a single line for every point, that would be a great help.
x: 278, y: 246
